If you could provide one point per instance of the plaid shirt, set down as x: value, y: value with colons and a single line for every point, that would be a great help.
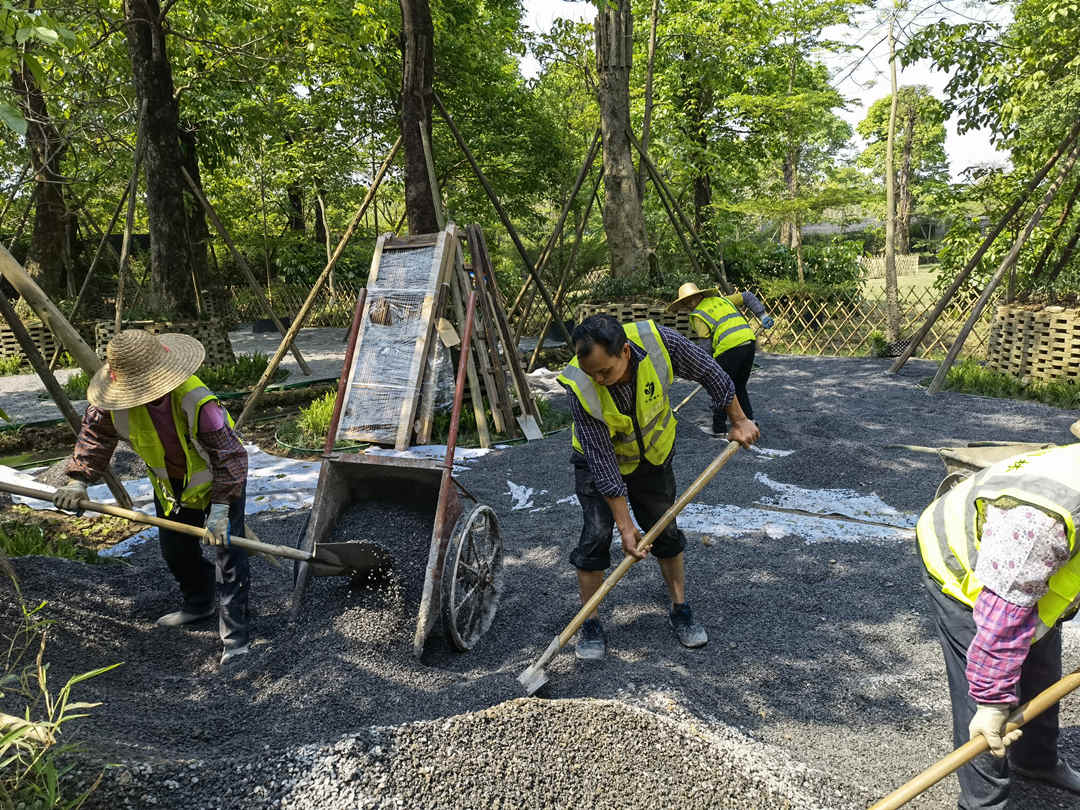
x: 688, y: 361
x: 228, y: 458
x: 1020, y: 549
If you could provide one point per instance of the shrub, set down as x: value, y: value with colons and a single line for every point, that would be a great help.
x: 76, y: 385
x: 970, y: 377
x: 10, y: 364
x: 32, y: 770
x: 240, y: 375
x: 879, y: 347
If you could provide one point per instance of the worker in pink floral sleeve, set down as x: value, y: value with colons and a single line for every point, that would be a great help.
x: 1002, y: 567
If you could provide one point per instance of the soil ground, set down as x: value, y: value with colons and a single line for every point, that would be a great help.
x: 822, y: 666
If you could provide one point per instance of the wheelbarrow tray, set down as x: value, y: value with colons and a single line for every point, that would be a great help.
x: 347, y: 478
x: 971, y: 459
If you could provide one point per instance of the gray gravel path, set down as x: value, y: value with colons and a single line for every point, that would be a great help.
x: 25, y: 401
x: 821, y: 656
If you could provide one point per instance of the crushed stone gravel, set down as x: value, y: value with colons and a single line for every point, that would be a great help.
x: 822, y: 659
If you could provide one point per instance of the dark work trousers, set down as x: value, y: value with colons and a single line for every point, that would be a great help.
x: 650, y: 491
x: 197, y: 577
x: 984, y: 782
x: 738, y: 362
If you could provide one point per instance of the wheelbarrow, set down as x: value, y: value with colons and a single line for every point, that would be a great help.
x: 960, y: 462
x: 462, y: 578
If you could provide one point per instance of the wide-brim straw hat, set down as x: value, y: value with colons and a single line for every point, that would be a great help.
x: 688, y: 290
x: 140, y: 367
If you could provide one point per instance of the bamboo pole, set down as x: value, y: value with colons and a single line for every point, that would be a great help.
x: 129, y: 220
x: 56, y: 391
x: 249, y: 275
x: 664, y: 190
x: 1007, y: 263
x: 499, y: 209
x: 972, y: 748
x: 301, y: 316
x: 962, y: 276
x: 549, y: 245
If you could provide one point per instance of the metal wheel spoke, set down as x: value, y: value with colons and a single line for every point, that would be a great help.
x: 469, y: 595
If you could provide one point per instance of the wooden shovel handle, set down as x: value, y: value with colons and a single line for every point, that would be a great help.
x: 647, y: 541
x: 162, y: 523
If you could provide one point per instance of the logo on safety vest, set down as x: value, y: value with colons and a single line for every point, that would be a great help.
x: 650, y: 388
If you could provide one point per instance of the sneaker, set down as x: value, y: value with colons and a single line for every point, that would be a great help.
x: 232, y: 654
x: 690, y: 633
x: 591, y: 641
x: 185, y: 616
x: 1062, y: 775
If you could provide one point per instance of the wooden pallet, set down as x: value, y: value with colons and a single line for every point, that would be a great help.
x: 626, y: 313
x: 45, y: 341
x: 211, y: 334
x: 1035, y: 343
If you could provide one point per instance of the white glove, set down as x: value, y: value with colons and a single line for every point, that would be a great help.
x: 217, y: 525
x: 989, y: 721
x: 69, y: 495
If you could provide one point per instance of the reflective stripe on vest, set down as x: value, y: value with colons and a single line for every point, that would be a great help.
x: 136, y: 426
x: 949, y: 531
x: 727, y: 326
x: 652, y: 403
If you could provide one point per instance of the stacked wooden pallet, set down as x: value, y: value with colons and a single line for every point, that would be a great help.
x: 1037, y: 343
x: 45, y: 341
x: 212, y: 334
x: 417, y: 292
x: 627, y: 312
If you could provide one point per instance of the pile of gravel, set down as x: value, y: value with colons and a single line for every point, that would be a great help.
x: 522, y: 753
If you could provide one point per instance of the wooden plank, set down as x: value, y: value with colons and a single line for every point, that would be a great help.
x: 480, y: 348
x: 503, y: 404
x: 474, y: 384
x: 426, y: 419
x: 414, y: 241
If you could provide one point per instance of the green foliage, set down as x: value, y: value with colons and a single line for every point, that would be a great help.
x: 24, y: 540
x: 878, y: 345
x: 970, y: 377
x: 920, y: 117
x: 11, y: 364
x: 33, y: 764
x: 835, y: 263
x: 240, y: 375
x: 75, y: 386
x: 314, y: 420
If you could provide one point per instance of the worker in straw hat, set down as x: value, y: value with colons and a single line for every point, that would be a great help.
x: 1002, y: 568
x: 147, y: 394
x: 717, y: 318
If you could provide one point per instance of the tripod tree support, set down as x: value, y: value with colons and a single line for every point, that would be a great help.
x: 309, y: 302
x: 245, y: 268
x: 993, y: 234
x: 502, y: 215
x: 55, y: 390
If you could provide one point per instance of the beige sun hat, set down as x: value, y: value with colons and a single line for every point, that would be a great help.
x: 140, y: 367
x: 688, y: 290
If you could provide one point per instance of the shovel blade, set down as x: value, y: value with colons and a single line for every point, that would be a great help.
x: 348, y: 559
x: 528, y: 425
x: 533, y: 679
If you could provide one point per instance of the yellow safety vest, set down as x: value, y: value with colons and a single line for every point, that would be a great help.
x: 136, y: 426
x: 726, y: 324
x: 949, y: 531
x: 655, y: 419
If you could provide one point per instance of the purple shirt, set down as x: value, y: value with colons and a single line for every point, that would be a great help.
x: 687, y: 361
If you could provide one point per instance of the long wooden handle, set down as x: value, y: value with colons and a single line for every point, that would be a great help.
x: 163, y: 523
x: 647, y: 541
x: 689, y: 397
x: 972, y: 748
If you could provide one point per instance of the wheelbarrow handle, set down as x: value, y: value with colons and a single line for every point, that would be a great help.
x: 163, y: 523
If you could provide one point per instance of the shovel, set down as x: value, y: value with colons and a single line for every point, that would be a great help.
x: 328, y: 559
x: 534, y: 677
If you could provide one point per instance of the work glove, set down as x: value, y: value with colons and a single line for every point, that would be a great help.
x: 989, y: 721
x: 767, y: 322
x: 69, y: 495
x: 217, y: 525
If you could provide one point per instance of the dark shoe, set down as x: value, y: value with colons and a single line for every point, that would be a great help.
x: 234, y: 653
x: 690, y: 633
x: 591, y: 641
x: 719, y: 424
x: 185, y: 616
x: 1062, y: 775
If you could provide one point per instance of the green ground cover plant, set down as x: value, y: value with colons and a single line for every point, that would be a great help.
x: 19, y: 539
x: 240, y: 375
x: 970, y: 377
x: 11, y: 364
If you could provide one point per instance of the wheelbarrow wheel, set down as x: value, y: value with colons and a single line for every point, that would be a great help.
x: 472, y: 577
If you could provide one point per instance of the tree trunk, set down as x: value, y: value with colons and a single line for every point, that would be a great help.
x: 892, y: 303
x: 904, y: 201
x: 46, y: 261
x: 624, y: 221
x: 296, y: 208
x: 417, y: 66
x: 171, y: 288
x: 646, y: 122
x: 198, y: 232
x: 320, y: 215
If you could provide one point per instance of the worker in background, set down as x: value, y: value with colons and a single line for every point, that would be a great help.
x: 147, y: 395
x: 619, y: 385
x: 1001, y: 565
x: 717, y: 318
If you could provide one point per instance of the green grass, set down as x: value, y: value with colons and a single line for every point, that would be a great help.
x: 240, y: 375
x: 25, y: 540
x: 308, y: 430
x: 76, y: 384
x: 921, y: 281
x: 970, y: 377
